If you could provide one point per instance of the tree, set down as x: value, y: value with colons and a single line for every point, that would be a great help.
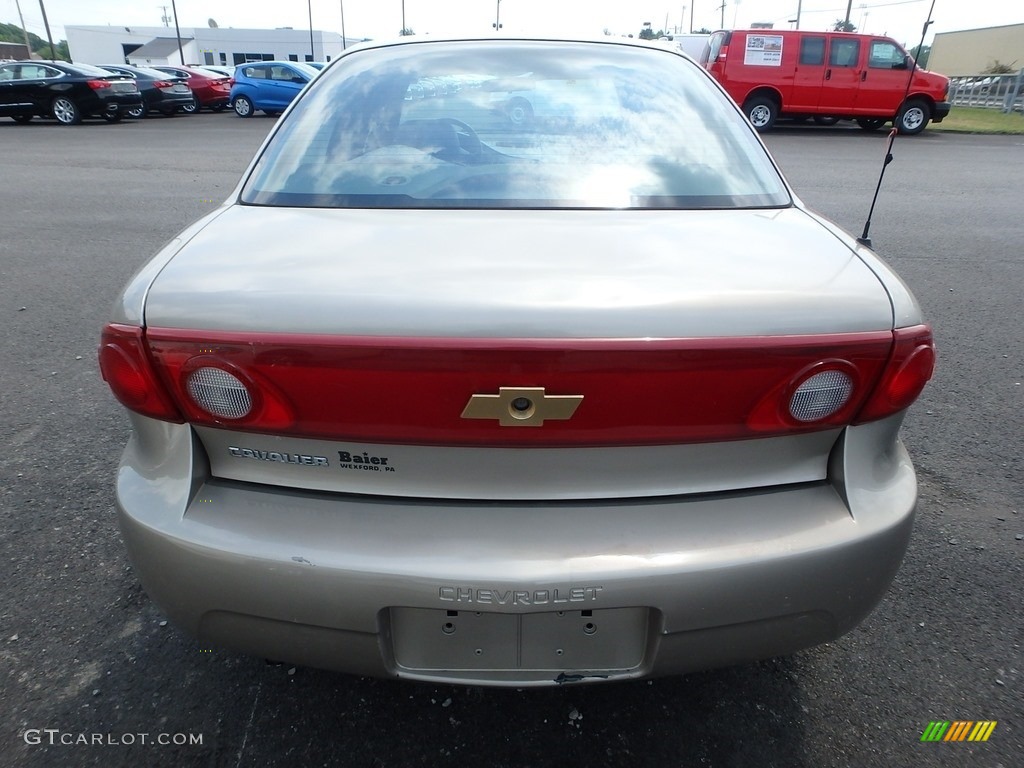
x: 10, y: 33
x: 406, y: 31
x: 842, y: 25
x: 998, y: 68
x: 921, y: 57
x: 702, y: 31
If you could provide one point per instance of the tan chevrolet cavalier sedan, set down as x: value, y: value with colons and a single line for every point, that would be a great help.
x: 515, y: 362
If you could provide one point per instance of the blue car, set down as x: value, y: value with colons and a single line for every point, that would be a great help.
x: 268, y: 85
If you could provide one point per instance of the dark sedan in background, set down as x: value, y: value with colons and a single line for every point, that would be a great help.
x: 210, y: 90
x: 160, y: 91
x: 66, y: 92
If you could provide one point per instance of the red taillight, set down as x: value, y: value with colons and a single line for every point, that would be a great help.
x: 723, y: 53
x: 414, y: 390
x: 99, y: 85
x: 231, y: 81
x: 163, y: 84
x: 909, y: 369
x: 125, y: 367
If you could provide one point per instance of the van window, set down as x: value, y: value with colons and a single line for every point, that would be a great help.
x: 844, y: 53
x: 886, y: 55
x: 812, y: 50
x: 714, y: 47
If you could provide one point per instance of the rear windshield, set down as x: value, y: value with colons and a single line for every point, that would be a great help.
x: 90, y: 70
x: 514, y: 125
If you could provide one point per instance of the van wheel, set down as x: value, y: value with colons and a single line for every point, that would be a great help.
x: 761, y: 112
x: 871, y: 123
x: 913, y: 118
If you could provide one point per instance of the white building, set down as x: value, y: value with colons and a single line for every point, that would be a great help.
x: 144, y: 46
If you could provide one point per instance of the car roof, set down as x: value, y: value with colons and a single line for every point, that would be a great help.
x: 85, y: 70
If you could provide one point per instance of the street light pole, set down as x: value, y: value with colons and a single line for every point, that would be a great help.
x: 497, y: 16
x: 342, y: 24
x: 312, y: 53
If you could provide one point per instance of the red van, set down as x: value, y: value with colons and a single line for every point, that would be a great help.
x: 826, y: 75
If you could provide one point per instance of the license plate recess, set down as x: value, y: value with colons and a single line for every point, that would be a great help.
x: 609, y: 639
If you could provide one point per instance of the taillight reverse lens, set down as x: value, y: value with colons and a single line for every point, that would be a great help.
x: 821, y: 395
x: 219, y: 392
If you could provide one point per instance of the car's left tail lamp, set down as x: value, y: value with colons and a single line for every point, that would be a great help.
x: 127, y: 369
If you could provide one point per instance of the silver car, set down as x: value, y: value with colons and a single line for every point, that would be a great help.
x: 435, y: 396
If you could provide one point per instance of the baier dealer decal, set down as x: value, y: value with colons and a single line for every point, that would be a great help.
x: 364, y: 462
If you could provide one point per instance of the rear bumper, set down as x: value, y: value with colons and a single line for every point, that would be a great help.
x: 443, y: 591
x: 112, y: 104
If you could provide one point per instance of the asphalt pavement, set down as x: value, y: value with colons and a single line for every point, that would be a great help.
x: 92, y: 674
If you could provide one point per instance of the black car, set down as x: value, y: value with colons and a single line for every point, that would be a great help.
x: 65, y: 92
x: 160, y: 91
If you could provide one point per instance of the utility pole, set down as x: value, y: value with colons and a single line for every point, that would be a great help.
x: 722, y: 9
x: 49, y: 37
x: 28, y: 43
x: 849, y: 5
x: 497, y: 16
x: 165, y: 18
x: 177, y: 31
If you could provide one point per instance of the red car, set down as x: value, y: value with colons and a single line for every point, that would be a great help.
x: 211, y: 89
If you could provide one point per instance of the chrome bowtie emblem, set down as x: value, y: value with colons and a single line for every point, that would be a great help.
x: 521, y: 406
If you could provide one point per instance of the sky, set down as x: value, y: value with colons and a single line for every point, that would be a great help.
x: 900, y: 19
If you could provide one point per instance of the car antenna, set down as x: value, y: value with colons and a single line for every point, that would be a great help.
x: 864, y: 239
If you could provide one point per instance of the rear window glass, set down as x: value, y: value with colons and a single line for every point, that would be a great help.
x: 515, y: 125
x: 89, y: 69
